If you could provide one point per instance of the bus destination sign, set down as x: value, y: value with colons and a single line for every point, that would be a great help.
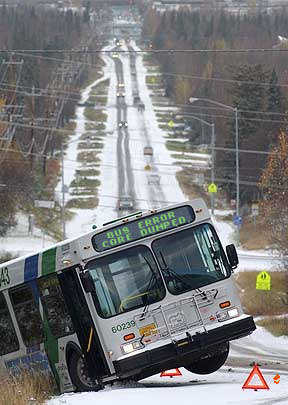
x: 143, y: 227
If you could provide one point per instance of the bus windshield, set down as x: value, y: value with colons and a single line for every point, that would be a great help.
x: 191, y: 259
x: 125, y: 280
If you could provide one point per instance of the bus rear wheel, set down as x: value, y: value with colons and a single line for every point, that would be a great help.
x: 212, y: 363
x: 79, y: 374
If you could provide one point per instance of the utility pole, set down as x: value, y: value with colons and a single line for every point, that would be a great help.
x: 32, y: 126
x: 213, y: 166
x: 63, y: 213
x: 235, y: 110
x: 237, y: 176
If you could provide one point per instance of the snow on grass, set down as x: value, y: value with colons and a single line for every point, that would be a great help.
x: 248, y: 260
x: 19, y: 243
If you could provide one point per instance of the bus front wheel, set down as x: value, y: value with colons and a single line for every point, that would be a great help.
x: 79, y: 373
x: 212, y: 363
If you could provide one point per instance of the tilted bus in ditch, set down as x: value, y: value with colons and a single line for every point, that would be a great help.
x: 145, y: 293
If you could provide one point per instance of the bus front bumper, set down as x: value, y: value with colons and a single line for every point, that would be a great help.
x: 175, y: 354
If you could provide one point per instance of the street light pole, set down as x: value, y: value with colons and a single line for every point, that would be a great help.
x: 235, y: 110
x: 212, y: 126
x: 63, y: 195
x: 213, y: 167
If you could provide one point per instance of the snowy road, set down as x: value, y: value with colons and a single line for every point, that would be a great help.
x: 223, y: 387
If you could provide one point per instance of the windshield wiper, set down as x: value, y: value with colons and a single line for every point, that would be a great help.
x: 171, y: 272
x: 152, y: 278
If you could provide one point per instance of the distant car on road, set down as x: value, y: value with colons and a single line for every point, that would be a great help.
x: 123, y: 124
x: 120, y: 93
x: 148, y: 150
x: 120, y: 85
x: 141, y: 106
x: 115, y: 55
x: 125, y: 202
x: 154, y: 179
x: 136, y: 100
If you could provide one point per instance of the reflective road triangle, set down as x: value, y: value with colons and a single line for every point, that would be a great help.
x: 255, y: 372
x: 171, y: 373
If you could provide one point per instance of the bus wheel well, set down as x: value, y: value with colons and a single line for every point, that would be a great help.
x: 70, y: 348
x: 211, y: 363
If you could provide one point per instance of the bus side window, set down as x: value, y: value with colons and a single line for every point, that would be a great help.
x: 27, y: 314
x: 54, y: 306
x: 8, y: 338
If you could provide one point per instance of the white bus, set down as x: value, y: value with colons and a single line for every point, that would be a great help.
x: 145, y: 293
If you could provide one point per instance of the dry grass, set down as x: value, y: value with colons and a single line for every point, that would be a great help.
x: 26, y: 389
x: 189, y: 187
x: 276, y: 326
x: 261, y: 302
x: 254, y: 235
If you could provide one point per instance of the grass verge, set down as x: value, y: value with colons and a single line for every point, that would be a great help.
x: 255, y: 234
x: 276, y: 326
x: 262, y: 302
x: 83, y: 203
x: 26, y: 389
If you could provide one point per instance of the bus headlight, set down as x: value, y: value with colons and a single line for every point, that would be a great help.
x: 231, y: 313
x: 130, y: 347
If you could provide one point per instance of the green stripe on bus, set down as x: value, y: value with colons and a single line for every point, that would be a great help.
x: 48, y: 261
x: 51, y: 348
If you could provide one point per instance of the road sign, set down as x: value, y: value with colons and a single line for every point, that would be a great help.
x: 44, y: 204
x: 262, y: 386
x: 263, y: 281
x: 171, y: 124
x: 255, y: 209
x: 237, y: 220
x: 171, y: 373
x: 212, y: 188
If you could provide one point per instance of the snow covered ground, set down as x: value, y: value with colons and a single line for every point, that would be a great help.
x: 221, y: 388
x: 19, y: 241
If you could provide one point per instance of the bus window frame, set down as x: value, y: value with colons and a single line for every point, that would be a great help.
x: 109, y: 253
x: 44, y: 304
x: 12, y: 323
x: 28, y: 284
x: 228, y: 267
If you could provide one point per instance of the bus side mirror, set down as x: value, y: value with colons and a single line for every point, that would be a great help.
x: 87, y: 281
x: 232, y: 256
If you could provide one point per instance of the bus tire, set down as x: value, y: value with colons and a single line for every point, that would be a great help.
x: 212, y: 363
x: 79, y: 373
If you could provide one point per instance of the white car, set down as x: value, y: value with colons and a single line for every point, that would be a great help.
x: 148, y: 150
x: 154, y: 179
x: 120, y: 93
x: 123, y: 124
x: 125, y: 202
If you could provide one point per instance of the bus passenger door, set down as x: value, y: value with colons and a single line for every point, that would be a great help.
x: 83, y: 324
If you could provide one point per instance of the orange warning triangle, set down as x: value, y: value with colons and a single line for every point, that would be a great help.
x: 262, y: 386
x: 169, y: 373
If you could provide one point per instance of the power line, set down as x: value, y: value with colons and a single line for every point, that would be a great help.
x: 183, y: 75
x: 148, y: 50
